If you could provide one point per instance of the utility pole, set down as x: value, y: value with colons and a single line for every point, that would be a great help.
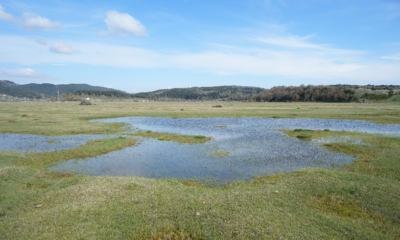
x: 58, y: 96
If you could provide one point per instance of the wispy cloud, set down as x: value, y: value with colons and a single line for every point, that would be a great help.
x: 30, y: 21
x: 34, y: 22
x: 42, y: 41
x: 122, y: 24
x: 59, y: 47
x: 393, y: 57
x: 23, y: 73
x: 289, y: 41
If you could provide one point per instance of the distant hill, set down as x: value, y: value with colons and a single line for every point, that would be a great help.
x: 236, y: 93
x: 228, y: 93
x: 49, y: 90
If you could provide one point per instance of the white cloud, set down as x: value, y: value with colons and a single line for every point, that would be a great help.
x: 393, y: 57
x: 5, y: 16
x: 22, y: 72
x: 59, y: 47
x: 290, y: 41
x: 122, y: 24
x: 33, y: 22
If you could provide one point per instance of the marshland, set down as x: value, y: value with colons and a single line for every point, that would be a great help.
x: 186, y: 170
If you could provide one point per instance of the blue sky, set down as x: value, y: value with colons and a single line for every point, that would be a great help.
x: 146, y: 45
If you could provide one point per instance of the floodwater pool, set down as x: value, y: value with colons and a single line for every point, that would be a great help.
x: 38, y: 143
x: 240, y: 148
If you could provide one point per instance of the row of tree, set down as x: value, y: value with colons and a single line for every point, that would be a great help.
x: 97, y: 93
x: 308, y: 93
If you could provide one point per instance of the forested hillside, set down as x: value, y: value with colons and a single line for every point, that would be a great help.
x: 49, y: 90
x: 305, y: 93
x: 227, y: 93
x: 97, y: 93
x: 234, y: 93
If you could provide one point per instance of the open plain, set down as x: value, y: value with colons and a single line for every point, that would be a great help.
x: 361, y: 200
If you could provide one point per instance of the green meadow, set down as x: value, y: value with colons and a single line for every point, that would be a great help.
x: 360, y: 200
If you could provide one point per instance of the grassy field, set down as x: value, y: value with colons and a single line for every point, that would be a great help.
x: 67, y: 118
x: 359, y: 201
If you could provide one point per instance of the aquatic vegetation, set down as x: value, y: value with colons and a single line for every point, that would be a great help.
x: 180, y: 138
x: 164, y: 138
x: 220, y: 154
x: 199, y: 137
x: 220, y: 126
x: 304, y: 136
x: 52, y: 141
x: 302, y: 130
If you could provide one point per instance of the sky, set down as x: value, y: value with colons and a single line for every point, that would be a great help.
x: 146, y: 45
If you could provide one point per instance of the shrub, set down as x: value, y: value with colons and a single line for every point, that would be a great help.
x: 199, y: 137
x: 303, y: 136
x: 302, y: 130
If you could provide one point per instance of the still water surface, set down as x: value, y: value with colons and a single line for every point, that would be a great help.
x: 254, y: 145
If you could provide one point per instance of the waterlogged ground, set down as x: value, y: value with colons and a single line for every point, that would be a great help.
x: 37, y: 143
x: 240, y: 149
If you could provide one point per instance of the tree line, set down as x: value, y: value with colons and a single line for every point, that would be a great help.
x: 308, y: 93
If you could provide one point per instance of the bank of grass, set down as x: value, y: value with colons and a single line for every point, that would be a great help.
x: 358, y: 201
x: 317, y: 134
x: 191, y: 139
x: 91, y: 149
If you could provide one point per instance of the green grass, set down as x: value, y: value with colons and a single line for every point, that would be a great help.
x: 358, y: 201
x: 304, y: 136
x: 172, y: 137
x: 302, y: 130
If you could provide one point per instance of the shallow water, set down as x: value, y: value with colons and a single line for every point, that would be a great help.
x: 254, y: 145
x: 38, y: 143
